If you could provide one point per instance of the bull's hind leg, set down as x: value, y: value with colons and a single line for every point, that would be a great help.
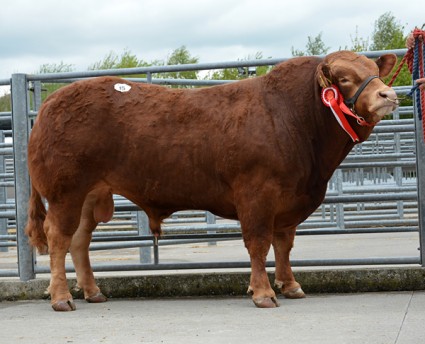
x: 282, y: 243
x: 80, y: 257
x: 98, y: 206
x: 60, y: 224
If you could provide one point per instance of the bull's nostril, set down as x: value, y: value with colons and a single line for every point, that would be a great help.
x: 389, y: 95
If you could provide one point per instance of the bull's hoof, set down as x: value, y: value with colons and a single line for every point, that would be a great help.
x: 295, y: 293
x: 292, y: 291
x: 263, y: 302
x: 266, y: 302
x: 64, y: 306
x: 96, y: 298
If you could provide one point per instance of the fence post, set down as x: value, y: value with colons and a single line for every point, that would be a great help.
x: 211, y: 219
x: 143, y: 229
x: 20, y: 133
x: 339, y: 206
x: 3, y: 196
x: 420, y: 178
x: 37, y: 95
x: 398, y: 171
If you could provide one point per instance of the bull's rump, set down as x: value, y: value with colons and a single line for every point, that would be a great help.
x: 156, y: 146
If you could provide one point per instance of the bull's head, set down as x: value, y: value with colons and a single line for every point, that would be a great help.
x: 358, y: 79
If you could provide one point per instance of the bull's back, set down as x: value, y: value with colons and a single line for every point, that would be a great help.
x: 145, y: 140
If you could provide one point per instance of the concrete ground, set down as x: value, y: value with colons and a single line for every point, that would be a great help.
x: 391, y: 317
x: 139, y: 312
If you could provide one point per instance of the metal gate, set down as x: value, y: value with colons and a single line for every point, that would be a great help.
x: 375, y: 190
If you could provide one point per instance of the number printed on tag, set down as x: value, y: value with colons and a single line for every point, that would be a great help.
x: 122, y: 87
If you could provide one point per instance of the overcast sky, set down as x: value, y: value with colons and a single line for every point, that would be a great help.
x: 81, y: 32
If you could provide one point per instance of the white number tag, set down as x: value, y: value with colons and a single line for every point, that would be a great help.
x: 122, y: 87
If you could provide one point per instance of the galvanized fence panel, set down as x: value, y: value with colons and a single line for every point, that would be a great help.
x: 373, y: 191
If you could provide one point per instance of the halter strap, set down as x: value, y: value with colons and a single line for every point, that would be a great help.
x: 332, y: 97
x: 351, y: 101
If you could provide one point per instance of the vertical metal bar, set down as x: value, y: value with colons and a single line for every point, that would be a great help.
x: 332, y: 213
x: 149, y: 77
x: 332, y: 186
x: 155, y: 250
x: 398, y: 171
x: 37, y: 95
x: 143, y: 228
x: 210, y: 221
x: 420, y: 178
x: 20, y: 133
x: 340, y: 206
x: 3, y: 197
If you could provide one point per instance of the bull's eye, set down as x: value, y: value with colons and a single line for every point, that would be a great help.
x: 344, y: 81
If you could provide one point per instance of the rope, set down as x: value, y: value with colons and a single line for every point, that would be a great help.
x: 416, y: 75
x: 415, y: 60
x: 417, y: 71
x: 407, y: 57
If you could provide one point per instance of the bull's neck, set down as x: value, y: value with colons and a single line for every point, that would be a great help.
x: 335, y: 143
x: 295, y: 96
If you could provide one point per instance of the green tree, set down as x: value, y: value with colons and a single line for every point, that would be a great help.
x: 126, y: 60
x: 388, y: 33
x: 358, y: 43
x: 60, y: 67
x: 5, y: 102
x: 48, y: 87
x: 129, y: 60
x: 314, y: 46
x: 108, y: 62
x: 180, y: 56
x: 240, y: 73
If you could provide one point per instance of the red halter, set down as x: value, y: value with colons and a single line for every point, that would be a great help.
x: 332, y: 97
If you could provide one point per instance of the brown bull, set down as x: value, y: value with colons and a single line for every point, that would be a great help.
x: 260, y: 150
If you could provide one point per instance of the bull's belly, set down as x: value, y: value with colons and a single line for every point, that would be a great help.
x: 168, y: 196
x: 167, y: 199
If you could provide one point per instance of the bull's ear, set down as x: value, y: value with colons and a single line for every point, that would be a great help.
x: 323, y: 75
x: 386, y: 63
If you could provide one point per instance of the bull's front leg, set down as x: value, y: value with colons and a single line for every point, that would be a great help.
x: 263, y: 295
x: 257, y: 231
x: 283, y: 241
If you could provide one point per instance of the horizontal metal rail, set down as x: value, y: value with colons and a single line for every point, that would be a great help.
x: 245, y: 264
x: 408, y: 196
x: 409, y: 128
x: 365, y: 165
x: 9, y: 273
x: 376, y: 157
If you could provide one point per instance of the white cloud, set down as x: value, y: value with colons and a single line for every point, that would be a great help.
x: 83, y: 32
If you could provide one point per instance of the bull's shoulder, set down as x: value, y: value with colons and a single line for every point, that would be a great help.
x: 295, y: 68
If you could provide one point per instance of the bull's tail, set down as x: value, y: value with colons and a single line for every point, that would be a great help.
x: 36, y: 217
